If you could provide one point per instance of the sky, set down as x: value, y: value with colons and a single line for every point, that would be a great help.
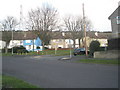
x: 97, y: 11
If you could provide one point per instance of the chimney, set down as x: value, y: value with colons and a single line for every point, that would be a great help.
x: 96, y: 34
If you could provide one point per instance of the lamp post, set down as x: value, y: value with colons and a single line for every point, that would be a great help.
x: 56, y: 46
x: 12, y: 42
x: 70, y: 45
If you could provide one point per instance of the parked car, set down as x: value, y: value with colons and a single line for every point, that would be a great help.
x: 79, y: 51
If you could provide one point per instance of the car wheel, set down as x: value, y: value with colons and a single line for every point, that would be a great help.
x: 75, y: 54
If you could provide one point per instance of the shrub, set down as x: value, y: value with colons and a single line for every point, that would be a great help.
x: 20, y: 49
x: 38, y: 47
x: 94, y: 46
x: 16, y: 49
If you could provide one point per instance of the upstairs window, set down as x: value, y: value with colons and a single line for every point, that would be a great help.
x: 118, y: 19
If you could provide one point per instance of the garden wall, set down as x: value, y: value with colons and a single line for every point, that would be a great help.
x: 110, y: 54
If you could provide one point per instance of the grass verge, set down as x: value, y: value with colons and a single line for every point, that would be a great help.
x: 44, y: 52
x: 115, y: 62
x: 6, y: 54
x: 12, y: 82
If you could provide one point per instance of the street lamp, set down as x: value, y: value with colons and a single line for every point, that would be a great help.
x: 70, y: 46
x: 56, y: 46
x: 12, y: 42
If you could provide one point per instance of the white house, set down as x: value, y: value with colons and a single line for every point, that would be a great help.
x: 14, y: 43
x: 2, y: 44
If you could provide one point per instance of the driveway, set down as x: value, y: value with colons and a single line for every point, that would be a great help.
x: 51, y: 72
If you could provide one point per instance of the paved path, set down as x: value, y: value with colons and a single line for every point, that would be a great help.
x: 49, y: 72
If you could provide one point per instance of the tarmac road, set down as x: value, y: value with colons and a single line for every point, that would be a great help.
x: 49, y: 72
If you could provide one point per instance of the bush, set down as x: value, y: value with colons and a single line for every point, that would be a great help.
x: 94, y: 46
x: 38, y: 47
x: 20, y: 49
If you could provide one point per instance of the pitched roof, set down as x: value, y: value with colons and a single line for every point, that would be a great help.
x: 115, y: 13
x: 29, y: 35
x: 57, y: 35
x: 22, y: 35
x: 25, y: 35
x: 91, y: 34
x: 99, y: 35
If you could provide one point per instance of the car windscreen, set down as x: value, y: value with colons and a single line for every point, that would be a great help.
x: 78, y: 50
x: 82, y: 49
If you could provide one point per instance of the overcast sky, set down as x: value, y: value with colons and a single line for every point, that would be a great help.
x: 97, y: 11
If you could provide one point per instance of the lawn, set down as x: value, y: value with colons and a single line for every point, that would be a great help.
x: 12, y: 82
x: 115, y: 62
x: 6, y: 54
x: 51, y: 52
x: 44, y: 52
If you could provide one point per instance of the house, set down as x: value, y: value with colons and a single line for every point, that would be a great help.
x: 28, y: 39
x: 2, y: 44
x: 102, y: 37
x: 113, y: 41
x: 115, y: 24
x: 63, y: 40
x: 59, y: 40
x: 32, y: 42
x: 33, y: 45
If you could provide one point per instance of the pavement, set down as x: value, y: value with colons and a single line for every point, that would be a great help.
x: 52, y: 72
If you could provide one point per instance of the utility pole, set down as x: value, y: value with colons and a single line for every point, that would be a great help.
x: 85, y: 44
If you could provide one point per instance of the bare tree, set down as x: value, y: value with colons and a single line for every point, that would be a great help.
x: 74, y: 25
x: 8, y: 24
x: 43, y: 21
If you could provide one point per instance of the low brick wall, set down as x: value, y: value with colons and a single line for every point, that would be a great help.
x: 107, y: 54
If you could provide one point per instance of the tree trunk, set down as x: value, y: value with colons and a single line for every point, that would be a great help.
x: 6, y: 49
x: 79, y: 43
x: 74, y: 43
x: 33, y: 45
x: 83, y: 43
x: 43, y: 45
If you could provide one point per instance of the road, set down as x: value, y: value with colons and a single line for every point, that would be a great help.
x: 49, y: 72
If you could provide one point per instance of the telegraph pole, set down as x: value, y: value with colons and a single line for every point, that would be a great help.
x: 85, y: 44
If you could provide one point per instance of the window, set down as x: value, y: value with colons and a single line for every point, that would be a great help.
x: 118, y: 19
x: 28, y: 41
